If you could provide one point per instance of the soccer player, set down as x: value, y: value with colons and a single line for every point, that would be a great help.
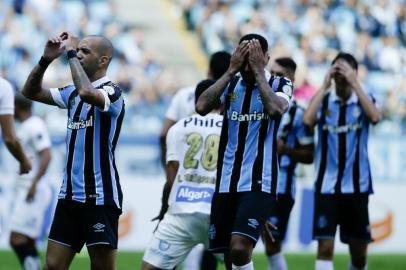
x: 247, y: 170
x: 90, y: 198
x: 8, y: 133
x: 33, y: 194
x: 295, y: 144
x: 343, y: 182
x: 192, y: 151
x: 183, y: 105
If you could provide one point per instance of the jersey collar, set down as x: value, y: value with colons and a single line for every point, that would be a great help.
x: 100, y: 81
x: 267, y: 77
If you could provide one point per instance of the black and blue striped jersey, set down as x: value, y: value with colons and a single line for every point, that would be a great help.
x: 90, y: 174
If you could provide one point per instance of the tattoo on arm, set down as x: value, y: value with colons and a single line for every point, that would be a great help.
x: 33, y: 87
x: 79, y: 76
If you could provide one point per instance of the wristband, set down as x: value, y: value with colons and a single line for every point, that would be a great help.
x: 72, y: 54
x: 43, y: 62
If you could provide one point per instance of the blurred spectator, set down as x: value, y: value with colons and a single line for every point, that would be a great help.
x: 312, y: 32
x: 26, y: 25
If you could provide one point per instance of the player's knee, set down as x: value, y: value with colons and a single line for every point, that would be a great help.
x: 17, y: 240
x: 326, y: 250
x: 240, y: 254
x: 52, y: 264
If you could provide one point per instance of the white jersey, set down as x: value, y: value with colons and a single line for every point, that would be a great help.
x: 193, y: 142
x: 6, y: 98
x: 182, y: 104
x: 34, y: 138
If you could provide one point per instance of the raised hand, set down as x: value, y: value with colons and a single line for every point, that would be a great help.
x: 256, y: 57
x: 238, y: 57
x: 71, y: 42
x: 54, y: 47
x: 328, y: 77
x: 345, y: 70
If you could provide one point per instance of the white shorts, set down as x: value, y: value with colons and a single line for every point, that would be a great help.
x: 175, y: 236
x: 28, y: 217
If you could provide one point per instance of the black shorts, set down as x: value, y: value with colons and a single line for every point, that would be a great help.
x: 243, y: 213
x: 76, y: 224
x: 280, y: 212
x: 348, y: 211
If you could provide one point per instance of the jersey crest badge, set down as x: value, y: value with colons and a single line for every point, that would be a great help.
x: 287, y: 89
x: 233, y: 96
x: 109, y: 89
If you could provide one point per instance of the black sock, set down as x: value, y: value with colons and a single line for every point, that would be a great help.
x: 28, y: 256
x: 209, y: 262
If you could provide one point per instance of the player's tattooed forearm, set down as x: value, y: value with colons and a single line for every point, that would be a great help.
x: 35, y: 78
x: 79, y: 76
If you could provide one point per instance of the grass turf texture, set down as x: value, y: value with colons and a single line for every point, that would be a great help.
x: 132, y: 260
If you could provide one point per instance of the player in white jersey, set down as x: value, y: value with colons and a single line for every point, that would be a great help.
x: 183, y: 105
x: 192, y: 149
x: 33, y: 193
x: 8, y: 133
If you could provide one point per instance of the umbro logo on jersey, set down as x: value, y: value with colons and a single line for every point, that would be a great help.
x: 252, y: 222
x: 98, y: 227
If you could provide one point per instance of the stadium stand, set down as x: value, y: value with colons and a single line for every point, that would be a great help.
x: 312, y: 32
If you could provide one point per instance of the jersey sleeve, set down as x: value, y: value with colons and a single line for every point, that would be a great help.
x: 172, y: 153
x: 224, y: 95
x: 173, y: 113
x: 40, y: 137
x: 113, y: 100
x: 6, y: 98
x: 304, y: 134
x: 61, y: 95
x: 283, y: 87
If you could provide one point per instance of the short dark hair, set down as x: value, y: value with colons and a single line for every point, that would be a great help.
x: 287, y: 62
x: 219, y: 63
x: 22, y: 102
x: 347, y: 57
x: 203, y: 86
x: 261, y: 39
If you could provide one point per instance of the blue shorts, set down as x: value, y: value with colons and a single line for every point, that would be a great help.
x: 280, y: 212
x: 242, y: 213
x: 349, y: 211
x: 76, y: 224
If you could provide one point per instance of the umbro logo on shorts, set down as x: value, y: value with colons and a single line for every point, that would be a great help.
x: 98, y: 227
x: 212, y: 232
x: 252, y: 222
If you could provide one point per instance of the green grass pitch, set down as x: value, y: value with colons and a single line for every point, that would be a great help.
x: 132, y: 260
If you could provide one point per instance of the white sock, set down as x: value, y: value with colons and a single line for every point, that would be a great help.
x: 277, y: 262
x: 324, y: 265
x: 248, y: 266
x: 32, y: 263
x: 352, y: 267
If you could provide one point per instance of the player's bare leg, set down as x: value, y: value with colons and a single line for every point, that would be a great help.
x: 25, y: 249
x: 58, y: 257
x: 241, y: 249
x: 102, y: 258
x: 358, y: 252
x: 325, y: 253
x: 273, y: 250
